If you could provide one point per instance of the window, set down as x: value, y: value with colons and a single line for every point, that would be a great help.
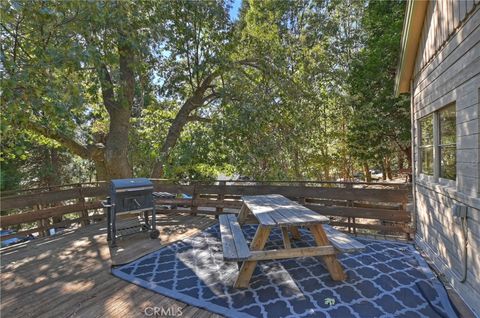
x: 426, y: 145
x: 437, y: 146
x: 447, y: 143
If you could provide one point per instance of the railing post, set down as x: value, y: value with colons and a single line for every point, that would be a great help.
x: 81, y: 200
x: 40, y: 223
x: 302, y: 200
x: 195, y: 197
x: 407, y: 227
x: 351, y: 221
x: 354, y: 227
x: 45, y: 223
x: 220, y: 198
x: 57, y: 218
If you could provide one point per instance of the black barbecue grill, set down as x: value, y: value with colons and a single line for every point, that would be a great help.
x: 130, y: 196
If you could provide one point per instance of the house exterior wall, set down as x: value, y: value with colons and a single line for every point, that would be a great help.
x: 447, y: 70
x: 443, y: 18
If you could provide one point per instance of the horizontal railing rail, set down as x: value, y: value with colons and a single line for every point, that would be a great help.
x: 375, y: 207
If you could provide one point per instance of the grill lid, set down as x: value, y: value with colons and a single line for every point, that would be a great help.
x: 119, y: 184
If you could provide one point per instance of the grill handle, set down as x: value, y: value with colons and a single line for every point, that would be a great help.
x: 106, y: 204
x: 137, y: 203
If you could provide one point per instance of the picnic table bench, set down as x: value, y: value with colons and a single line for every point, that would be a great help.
x: 277, y: 211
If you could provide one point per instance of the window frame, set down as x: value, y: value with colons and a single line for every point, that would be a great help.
x: 441, y: 146
x: 436, y: 175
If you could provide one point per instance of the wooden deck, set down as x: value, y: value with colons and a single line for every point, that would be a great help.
x: 69, y: 275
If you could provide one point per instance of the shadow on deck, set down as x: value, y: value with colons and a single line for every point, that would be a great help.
x: 69, y: 275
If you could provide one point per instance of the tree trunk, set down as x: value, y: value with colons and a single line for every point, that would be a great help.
x: 100, y: 171
x: 326, y: 174
x: 296, y: 165
x: 53, y: 177
x: 55, y: 164
x: 116, y: 152
x: 174, y: 134
x: 110, y: 155
x: 195, y: 101
x: 388, y: 168
x: 366, y: 171
x: 384, y: 172
x: 408, y: 154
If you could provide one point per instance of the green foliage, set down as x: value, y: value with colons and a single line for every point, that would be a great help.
x: 41, y: 165
x: 378, y: 116
x: 299, y: 89
x: 10, y: 178
x: 295, y: 105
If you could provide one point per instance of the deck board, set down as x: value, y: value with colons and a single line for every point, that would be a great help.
x: 69, y: 275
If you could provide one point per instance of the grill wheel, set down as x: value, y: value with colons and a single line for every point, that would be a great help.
x: 154, y: 234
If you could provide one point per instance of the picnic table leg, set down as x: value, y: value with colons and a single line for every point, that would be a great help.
x: 243, y: 214
x: 247, y: 268
x: 286, y: 238
x: 333, y: 265
x: 295, y: 233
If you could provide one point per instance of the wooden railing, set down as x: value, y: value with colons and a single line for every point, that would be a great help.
x: 39, y: 210
x: 374, y: 207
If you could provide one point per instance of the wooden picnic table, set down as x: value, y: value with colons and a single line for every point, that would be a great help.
x: 277, y: 211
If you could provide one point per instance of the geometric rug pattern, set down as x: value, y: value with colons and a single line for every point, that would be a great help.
x: 387, y: 279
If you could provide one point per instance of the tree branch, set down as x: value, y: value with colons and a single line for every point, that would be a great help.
x: 183, y: 116
x: 74, y: 146
x: 14, y: 36
x: 199, y: 119
x: 106, y: 84
x: 210, y: 97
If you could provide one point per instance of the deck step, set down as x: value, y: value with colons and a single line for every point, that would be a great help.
x: 235, y: 247
x: 341, y: 241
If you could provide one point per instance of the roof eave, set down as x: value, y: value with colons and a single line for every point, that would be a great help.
x: 412, y: 31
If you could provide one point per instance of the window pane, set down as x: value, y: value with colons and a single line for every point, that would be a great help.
x: 426, y: 155
x: 426, y: 130
x: 448, y: 129
x: 448, y: 168
x: 426, y: 144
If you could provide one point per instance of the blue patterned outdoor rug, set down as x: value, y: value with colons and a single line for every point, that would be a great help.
x: 388, y: 279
